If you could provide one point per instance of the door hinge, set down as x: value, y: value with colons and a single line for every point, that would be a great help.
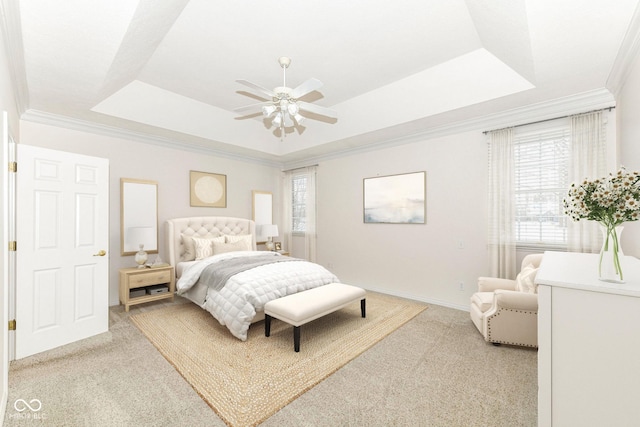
x: 13, y: 246
x: 12, y: 325
x: 13, y: 166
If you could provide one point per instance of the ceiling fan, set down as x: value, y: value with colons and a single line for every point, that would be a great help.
x: 285, y: 106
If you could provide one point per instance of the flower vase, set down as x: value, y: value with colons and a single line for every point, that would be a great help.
x: 611, y: 256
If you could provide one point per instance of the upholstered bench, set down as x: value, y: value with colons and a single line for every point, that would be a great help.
x: 303, y: 307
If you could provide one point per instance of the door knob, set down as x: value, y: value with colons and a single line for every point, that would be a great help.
x: 102, y: 252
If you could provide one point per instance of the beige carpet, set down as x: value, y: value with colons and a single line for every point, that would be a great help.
x: 247, y: 382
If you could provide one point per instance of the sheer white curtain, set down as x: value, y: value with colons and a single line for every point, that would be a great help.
x: 587, y: 160
x: 287, y: 209
x: 310, y: 209
x: 309, y: 173
x: 502, y: 244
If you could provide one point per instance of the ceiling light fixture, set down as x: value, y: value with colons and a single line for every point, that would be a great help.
x: 285, y: 106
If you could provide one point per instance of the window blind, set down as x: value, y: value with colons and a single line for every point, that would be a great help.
x: 541, y: 181
x: 298, y: 203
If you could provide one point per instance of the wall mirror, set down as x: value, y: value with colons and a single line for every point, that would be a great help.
x: 138, y: 216
x: 262, y: 212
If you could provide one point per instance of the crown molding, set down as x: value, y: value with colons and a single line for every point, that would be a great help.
x: 50, y: 119
x: 629, y: 51
x: 574, y: 104
x: 12, y: 35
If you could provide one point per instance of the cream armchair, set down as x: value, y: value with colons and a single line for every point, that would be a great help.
x: 506, y: 311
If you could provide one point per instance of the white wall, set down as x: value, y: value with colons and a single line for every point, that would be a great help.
x: 628, y: 106
x: 418, y: 261
x: 170, y: 168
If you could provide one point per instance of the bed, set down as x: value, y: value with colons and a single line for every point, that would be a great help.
x: 219, y: 268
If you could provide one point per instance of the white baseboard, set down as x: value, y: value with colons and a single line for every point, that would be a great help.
x: 418, y: 298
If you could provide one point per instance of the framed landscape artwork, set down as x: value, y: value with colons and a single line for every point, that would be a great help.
x: 395, y: 199
x: 208, y: 189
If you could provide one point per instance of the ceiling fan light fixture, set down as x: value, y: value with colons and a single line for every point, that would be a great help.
x: 277, y: 120
x: 293, y: 108
x: 284, y: 103
x: 268, y: 110
x: 287, y: 121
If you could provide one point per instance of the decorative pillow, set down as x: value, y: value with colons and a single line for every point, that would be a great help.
x: 246, y: 239
x: 524, y: 280
x: 204, y: 246
x: 189, y: 248
x: 222, y: 247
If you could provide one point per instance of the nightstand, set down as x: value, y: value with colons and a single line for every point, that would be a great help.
x: 149, y: 283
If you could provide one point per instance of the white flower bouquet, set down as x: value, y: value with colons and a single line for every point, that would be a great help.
x: 611, y: 201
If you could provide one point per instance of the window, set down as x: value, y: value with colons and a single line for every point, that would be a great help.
x: 299, y: 204
x: 541, y: 181
x: 530, y: 170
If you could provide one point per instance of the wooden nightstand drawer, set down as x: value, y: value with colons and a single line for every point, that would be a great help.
x: 149, y: 278
x: 145, y: 279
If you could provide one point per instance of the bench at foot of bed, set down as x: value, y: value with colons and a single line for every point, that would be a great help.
x: 303, y: 307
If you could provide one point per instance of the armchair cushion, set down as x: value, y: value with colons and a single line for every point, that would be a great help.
x: 516, y: 300
x: 490, y: 284
x: 524, y: 280
x: 482, y: 300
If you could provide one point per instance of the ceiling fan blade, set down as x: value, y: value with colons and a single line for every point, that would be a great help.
x: 251, y: 107
x: 312, y: 108
x: 306, y: 87
x: 260, y: 89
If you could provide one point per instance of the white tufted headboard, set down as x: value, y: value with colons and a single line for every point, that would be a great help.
x: 203, y: 226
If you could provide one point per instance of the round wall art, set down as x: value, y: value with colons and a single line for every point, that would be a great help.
x: 208, y: 189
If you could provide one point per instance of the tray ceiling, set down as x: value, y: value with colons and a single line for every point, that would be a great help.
x: 168, y: 69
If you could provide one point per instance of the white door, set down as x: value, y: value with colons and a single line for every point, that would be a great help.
x: 4, y: 264
x: 62, y: 286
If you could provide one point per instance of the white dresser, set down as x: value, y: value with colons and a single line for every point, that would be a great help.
x: 589, y: 343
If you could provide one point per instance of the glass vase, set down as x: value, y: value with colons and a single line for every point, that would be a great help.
x: 611, y: 256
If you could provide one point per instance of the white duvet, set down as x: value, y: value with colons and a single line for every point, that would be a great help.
x: 247, y: 292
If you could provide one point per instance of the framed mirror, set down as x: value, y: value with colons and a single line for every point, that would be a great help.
x: 138, y: 216
x: 262, y: 212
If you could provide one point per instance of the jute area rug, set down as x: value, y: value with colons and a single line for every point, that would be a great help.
x: 247, y: 382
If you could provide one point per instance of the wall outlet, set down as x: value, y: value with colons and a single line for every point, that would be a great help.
x: 461, y: 286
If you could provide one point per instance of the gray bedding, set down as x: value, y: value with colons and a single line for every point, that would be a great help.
x: 215, y: 276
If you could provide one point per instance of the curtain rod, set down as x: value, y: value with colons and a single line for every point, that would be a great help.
x: 301, y: 167
x: 548, y: 120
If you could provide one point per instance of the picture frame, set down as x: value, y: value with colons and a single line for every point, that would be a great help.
x: 395, y: 199
x: 278, y: 246
x: 207, y: 189
x: 138, y: 216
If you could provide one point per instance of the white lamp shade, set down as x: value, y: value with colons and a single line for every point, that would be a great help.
x: 268, y: 110
x: 293, y: 108
x: 298, y: 118
x: 287, y: 121
x: 269, y: 230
